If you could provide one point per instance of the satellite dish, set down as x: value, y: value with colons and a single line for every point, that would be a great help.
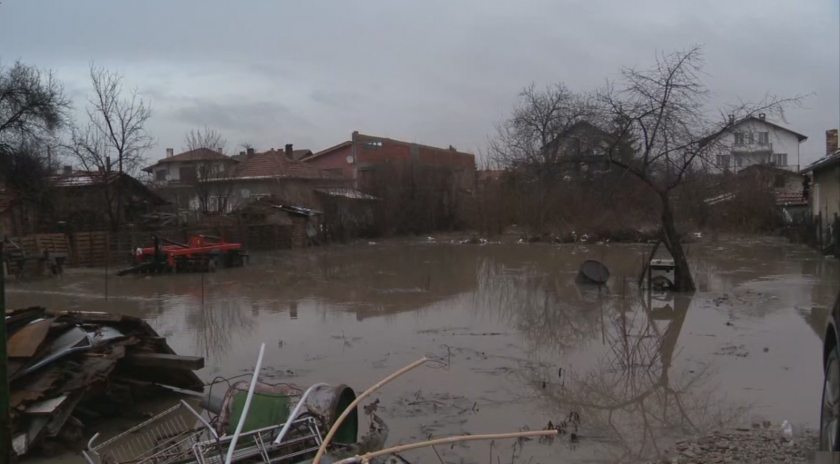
x: 349, y: 159
x: 245, y: 193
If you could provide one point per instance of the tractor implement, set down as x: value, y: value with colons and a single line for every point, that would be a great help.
x: 202, y: 253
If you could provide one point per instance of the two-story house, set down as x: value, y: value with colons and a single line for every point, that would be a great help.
x: 756, y: 140
x: 180, y: 178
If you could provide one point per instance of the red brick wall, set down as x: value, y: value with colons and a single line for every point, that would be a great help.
x: 335, y: 160
x: 369, y: 151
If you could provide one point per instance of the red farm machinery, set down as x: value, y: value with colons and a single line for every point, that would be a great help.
x: 203, y: 253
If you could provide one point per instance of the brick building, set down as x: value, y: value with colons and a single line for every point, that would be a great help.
x: 360, y: 158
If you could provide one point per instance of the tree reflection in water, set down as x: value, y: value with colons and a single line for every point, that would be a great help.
x: 630, y: 399
x: 215, y: 323
x: 629, y: 395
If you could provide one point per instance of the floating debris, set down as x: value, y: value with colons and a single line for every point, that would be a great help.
x: 593, y: 272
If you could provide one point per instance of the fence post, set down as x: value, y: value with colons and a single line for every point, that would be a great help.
x: 5, y: 413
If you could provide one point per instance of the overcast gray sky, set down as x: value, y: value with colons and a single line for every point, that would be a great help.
x: 438, y: 72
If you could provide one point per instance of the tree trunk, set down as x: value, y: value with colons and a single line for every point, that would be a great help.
x: 683, y: 282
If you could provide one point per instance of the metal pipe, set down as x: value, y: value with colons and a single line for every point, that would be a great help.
x: 200, y: 418
x: 295, y: 412
x: 247, y: 406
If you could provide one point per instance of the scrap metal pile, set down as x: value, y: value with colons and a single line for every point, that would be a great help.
x: 69, y: 367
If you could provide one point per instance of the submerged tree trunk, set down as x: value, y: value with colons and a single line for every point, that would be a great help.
x: 683, y: 282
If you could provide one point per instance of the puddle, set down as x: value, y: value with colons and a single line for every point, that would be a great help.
x: 516, y: 343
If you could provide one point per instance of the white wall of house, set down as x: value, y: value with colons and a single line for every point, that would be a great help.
x: 755, y: 142
x: 826, y: 193
x: 172, y: 170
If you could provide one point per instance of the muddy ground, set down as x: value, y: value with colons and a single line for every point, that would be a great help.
x: 517, y: 343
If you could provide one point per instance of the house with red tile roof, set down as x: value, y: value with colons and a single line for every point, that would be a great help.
x: 208, y: 181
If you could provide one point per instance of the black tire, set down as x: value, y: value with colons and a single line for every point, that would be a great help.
x: 830, y: 409
x: 214, y: 263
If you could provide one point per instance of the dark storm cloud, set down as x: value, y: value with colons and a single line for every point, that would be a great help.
x: 439, y: 72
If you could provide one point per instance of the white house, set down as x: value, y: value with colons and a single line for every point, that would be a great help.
x: 178, y: 178
x: 756, y: 140
x: 187, y: 167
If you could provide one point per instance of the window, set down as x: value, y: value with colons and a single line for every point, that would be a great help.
x: 763, y: 138
x: 213, y: 204
x: 373, y: 145
x: 779, y: 181
x: 187, y: 174
x: 722, y: 161
x: 160, y: 174
x: 739, y: 139
x: 779, y: 159
x: 750, y: 139
x: 739, y: 161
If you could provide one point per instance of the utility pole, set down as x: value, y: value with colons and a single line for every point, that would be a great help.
x: 5, y: 419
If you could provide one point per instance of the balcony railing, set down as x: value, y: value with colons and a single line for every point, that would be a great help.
x: 753, y: 148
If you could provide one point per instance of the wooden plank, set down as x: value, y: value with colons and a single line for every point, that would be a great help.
x: 25, y: 342
x: 161, y: 360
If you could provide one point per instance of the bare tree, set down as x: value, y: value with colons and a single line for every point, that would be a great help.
x: 652, y: 124
x: 213, y: 174
x: 33, y: 108
x: 662, y: 111
x: 115, y: 134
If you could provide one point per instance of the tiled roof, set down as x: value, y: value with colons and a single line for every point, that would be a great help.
x: 328, y: 150
x: 296, y: 154
x: 83, y: 178
x: 276, y: 164
x: 199, y: 154
x: 790, y: 198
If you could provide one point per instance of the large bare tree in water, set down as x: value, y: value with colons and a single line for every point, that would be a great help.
x: 659, y: 114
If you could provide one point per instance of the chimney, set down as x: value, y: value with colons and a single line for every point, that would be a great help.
x: 68, y: 170
x: 762, y: 116
x: 170, y: 152
x: 250, y: 153
x: 241, y: 153
x: 289, y: 151
x: 107, y: 164
x: 830, y: 141
x: 731, y: 119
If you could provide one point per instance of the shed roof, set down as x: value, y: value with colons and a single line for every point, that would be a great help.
x: 826, y: 161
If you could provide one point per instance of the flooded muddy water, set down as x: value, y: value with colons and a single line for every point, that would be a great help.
x: 516, y: 343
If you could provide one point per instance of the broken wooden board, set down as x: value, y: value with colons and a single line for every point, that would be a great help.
x: 25, y: 342
x: 48, y: 406
x: 161, y: 360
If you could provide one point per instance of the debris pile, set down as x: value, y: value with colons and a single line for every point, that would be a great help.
x: 68, y: 367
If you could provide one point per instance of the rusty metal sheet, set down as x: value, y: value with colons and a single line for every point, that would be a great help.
x: 25, y: 342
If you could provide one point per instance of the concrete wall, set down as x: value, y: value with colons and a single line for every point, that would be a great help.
x: 826, y: 193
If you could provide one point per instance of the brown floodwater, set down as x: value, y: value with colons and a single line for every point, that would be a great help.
x: 516, y: 343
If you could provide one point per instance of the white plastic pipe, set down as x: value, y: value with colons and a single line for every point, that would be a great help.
x: 296, y: 411
x: 247, y: 406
